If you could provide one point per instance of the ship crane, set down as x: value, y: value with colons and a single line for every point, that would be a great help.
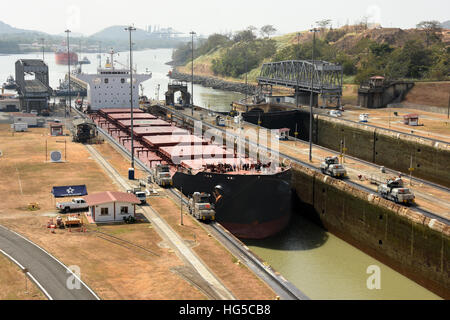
x: 125, y: 66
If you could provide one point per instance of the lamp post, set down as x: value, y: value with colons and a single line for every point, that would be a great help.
x: 314, y: 30
x: 68, y: 62
x: 246, y: 77
x: 43, y: 49
x: 297, y: 75
x: 192, y: 33
x: 130, y: 29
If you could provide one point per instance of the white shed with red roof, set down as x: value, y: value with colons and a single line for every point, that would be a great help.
x: 111, y: 206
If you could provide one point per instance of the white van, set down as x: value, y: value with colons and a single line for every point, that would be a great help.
x: 364, y: 117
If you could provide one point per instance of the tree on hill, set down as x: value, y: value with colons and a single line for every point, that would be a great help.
x: 245, y: 35
x: 213, y: 42
x: 323, y: 24
x: 433, y: 31
x: 267, y: 30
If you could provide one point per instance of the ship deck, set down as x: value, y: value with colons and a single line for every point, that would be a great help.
x: 167, y: 144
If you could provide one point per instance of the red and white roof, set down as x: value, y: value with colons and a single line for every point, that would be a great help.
x: 109, y: 196
x: 145, y: 123
x: 156, y: 131
x: 174, y: 140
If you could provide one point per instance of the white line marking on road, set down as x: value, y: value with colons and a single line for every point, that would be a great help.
x: 62, y: 264
x: 49, y: 297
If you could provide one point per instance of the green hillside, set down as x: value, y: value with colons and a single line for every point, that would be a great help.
x: 418, y: 54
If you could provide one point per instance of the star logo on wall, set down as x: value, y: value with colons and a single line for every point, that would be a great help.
x: 70, y: 191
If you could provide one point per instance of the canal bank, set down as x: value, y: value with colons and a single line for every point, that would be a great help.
x: 389, y: 148
x: 407, y: 241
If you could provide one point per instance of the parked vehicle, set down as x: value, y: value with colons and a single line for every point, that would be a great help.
x: 335, y: 113
x: 20, y: 127
x: 161, y: 176
x: 364, y: 117
x: 220, y: 121
x: 331, y: 166
x: 142, y: 196
x: 201, y: 208
x: 394, y: 190
x: 75, y: 204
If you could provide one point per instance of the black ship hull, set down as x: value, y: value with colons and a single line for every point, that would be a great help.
x: 292, y: 119
x: 251, y: 207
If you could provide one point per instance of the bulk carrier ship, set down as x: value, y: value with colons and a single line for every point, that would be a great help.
x: 63, y: 56
x: 252, y: 199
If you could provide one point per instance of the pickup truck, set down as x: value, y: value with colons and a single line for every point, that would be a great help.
x: 75, y: 204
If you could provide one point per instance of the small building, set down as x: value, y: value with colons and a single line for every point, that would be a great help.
x: 28, y: 118
x: 111, y: 206
x: 376, y: 81
x: 83, y: 130
x: 283, y: 134
x: 9, y: 105
x: 411, y: 119
x: 56, y: 129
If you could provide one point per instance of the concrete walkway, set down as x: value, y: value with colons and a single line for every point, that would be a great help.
x: 168, y: 234
x: 49, y: 274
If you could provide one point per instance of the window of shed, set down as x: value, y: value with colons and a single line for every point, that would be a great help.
x: 123, y: 210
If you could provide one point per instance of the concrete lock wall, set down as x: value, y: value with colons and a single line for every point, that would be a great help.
x: 383, y: 147
x: 390, y: 149
x: 408, y: 242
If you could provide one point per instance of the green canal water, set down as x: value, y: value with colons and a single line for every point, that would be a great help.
x: 325, y: 267
x: 318, y: 263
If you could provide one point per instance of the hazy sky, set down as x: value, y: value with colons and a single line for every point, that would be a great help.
x: 209, y: 16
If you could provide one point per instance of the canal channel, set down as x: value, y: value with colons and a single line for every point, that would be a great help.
x: 317, y: 262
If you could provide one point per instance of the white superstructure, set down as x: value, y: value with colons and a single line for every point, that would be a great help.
x: 110, y: 87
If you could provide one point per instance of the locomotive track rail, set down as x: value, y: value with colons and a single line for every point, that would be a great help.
x: 420, y: 210
x: 283, y: 288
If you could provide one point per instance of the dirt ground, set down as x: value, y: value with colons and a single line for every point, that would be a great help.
x: 430, y: 94
x: 12, y: 283
x: 114, y: 269
x: 431, y: 125
x: 219, y: 260
x: 110, y: 262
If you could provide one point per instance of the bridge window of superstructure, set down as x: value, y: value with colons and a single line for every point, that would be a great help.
x: 106, y: 80
x: 122, y: 80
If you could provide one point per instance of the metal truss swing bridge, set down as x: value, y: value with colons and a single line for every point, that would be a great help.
x: 320, y: 77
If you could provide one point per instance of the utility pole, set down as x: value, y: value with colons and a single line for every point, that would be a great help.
x: 314, y: 30
x: 297, y: 75
x: 448, y: 109
x: 130, y: 29
x: 68, y: 62
x: 43, y: 49
x: 192, y: 33
x: 100, y: 54
x: 181, y: 206
x: 246, y: 78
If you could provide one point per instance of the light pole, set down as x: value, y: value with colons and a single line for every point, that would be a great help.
x: 314, y: 30
x: 43, y: 49
x: 68, y: 62
x: 246, y: 77
x: 192, y: 33
x: 130, y: 29
x: 297, y: 75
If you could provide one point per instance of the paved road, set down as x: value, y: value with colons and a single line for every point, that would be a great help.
x: 49, y: 274
x: 220, y: 291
